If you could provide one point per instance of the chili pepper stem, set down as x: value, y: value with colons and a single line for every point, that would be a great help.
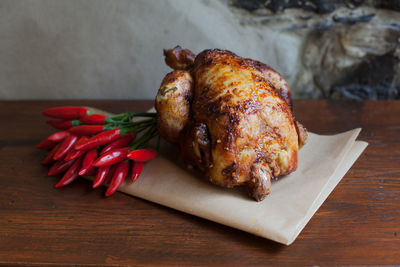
x: 145, y: 138
x: 143, y: 114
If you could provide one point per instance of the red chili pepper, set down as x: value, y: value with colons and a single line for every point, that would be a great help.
x: 110, y: 174
x: 91, y: 172
x: 112, y: 157
x: 60, y: 167
x: 52, y: 140
x: 81, y: 140
x: 89, y: 158
x: 49, y: 157
x: 94, y: 119
x: 100, y: 139
x: 101, y: 175
x: 65, y: 146
x: 142, y: 155
x: 64, y: 124
x: 86, y: 129
x: 66, y: 113
x: 120, y: 173
x: 71, y: 174
x: 58, y: 136
x: 137, y: 168
x: 119, y: 143
x: 73, y: 153
x: 46, y: 144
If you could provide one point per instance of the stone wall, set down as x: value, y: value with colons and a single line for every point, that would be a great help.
x: 349, y: 48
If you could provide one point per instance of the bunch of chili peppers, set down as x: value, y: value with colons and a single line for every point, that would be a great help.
x: 93, y: 144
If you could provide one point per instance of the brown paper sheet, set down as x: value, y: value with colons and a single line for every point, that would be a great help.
x: 294, y: 199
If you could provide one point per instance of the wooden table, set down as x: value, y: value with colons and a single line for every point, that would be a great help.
x: 358, y: 224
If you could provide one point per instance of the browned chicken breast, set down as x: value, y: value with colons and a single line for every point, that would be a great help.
x: 231, y: 116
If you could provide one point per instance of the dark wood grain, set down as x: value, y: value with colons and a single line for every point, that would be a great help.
x: 358, y: 224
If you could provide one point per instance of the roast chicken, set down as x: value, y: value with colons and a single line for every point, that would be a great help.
x: 231, y: 116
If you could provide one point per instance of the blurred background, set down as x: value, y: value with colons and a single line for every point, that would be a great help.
x: 100, y: 49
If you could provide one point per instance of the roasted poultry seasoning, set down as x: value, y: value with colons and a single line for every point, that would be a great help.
x: 232, y: 117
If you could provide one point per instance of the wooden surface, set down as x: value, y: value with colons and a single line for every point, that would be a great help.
x: 358, y: 224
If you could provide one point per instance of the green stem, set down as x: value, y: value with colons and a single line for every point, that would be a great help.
x: 145, y: 138
x: 131, y: 126
x: 141, y: 128
x: 128, y: 116
x: 118, y: 117
x: 143, y: 114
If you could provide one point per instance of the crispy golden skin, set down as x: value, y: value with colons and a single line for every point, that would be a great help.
x: 173, y: 104
x: 275, y: 79
x: 237, y: 126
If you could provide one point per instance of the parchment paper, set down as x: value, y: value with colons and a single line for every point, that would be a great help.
x: 281, y: 216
